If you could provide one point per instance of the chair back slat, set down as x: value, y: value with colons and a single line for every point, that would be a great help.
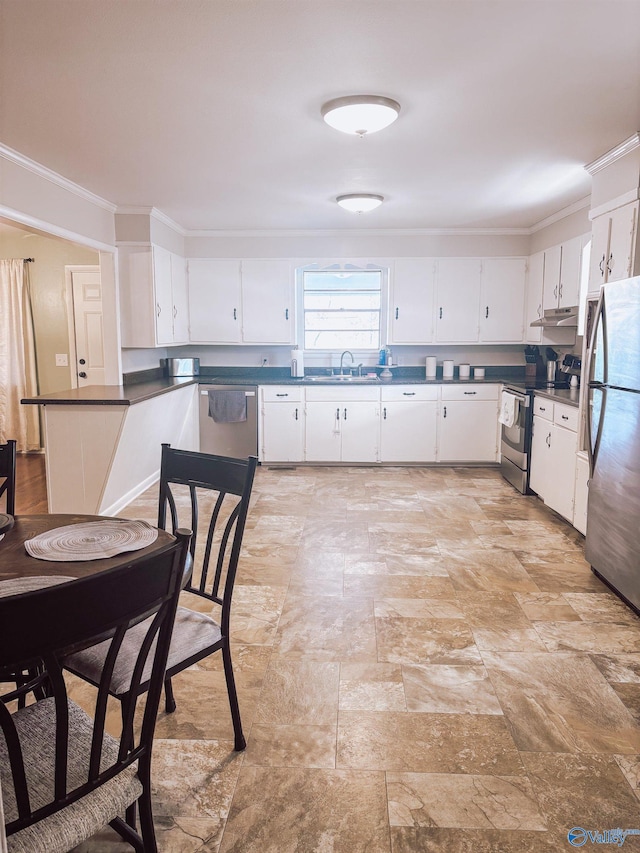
x: 40, y: 629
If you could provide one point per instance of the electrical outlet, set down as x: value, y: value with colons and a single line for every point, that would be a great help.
x: 62, y: 359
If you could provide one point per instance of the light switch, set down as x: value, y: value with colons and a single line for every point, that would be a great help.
x: 62, y: 359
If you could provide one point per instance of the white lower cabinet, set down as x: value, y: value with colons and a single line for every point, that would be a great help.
x: 281, y: 424
x: 553, y: 455
x: 342, y: 425
x: 468, y: 423
x: 408, y: 429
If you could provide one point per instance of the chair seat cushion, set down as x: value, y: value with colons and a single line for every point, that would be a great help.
x: 80, y: 820
x: 193, y: 633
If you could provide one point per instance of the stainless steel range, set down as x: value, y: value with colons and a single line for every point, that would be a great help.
x: 516, y: 416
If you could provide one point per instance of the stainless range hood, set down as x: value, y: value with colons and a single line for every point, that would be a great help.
x: 562, y: 317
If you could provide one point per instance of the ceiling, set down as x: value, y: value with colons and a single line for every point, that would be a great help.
x: 209, y: 110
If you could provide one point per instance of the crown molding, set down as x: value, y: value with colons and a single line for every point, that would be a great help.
x: 46, y: 229
x: 614, y: 154
x: 64, y: 183
x: 154, y: 213
x: 363, y: 232
x: 561, y: 214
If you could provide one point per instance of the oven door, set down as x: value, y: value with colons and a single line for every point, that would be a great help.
x: 516, y: 439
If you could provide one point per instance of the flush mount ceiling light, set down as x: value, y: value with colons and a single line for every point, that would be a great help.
x: 360, y: 202
x: 360, y: 114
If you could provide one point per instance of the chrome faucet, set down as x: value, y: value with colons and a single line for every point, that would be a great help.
x: 346, y: 352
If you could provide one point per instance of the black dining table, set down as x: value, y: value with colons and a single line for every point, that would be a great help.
x: 16, y: 563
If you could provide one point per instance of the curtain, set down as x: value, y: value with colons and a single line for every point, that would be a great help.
x: 18, y: 377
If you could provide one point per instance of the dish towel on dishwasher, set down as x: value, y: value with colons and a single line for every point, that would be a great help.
x: 509, y: 406
x: 227, y: 407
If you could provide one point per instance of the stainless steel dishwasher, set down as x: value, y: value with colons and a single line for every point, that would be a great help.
x: 238, y: 439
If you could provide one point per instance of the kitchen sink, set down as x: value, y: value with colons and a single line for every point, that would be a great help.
x: 342, y: 378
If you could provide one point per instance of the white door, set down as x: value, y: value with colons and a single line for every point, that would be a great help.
x: 458, y: 300
x: 214, y: 301
x: 502, y: 302
x: 460, y: 443
x: 540, y: 464
x: 163, y: 295
x: 86, y: 344
x: 408, y: 431
x: 561, y: 486
x: 360, y: 427
x: 282, y: 432
x: 180, y: 299
x: 411, y: 308
x: 621, y: 241
x: 533, y: 310
x: 569, y: 292
x: 600, y: 232
x: 323, y: 436
x: 267, y: 302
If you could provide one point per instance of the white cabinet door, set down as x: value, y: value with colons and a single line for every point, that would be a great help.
x: 267, y: 302
x: 468, y: 432
x: 214, y: 301
x: 622, y: 238
x: 323, y: 439
x: 283, y: 432
x: 540, y: 466
x: 560, y: 487
x: 569, y: 290
x: 600, y: 231
x: 360, y: 428
x: 551, y: 289
x: 411, y: 303
x: 502, y: 300
x: 180, y: 299
x: 164, y: 298
x: 408, y: 431
x: 581, y: 495
x: 457, y: 300
x: 533, y: 309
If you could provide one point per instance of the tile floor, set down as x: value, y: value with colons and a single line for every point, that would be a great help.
x: 425, y: 662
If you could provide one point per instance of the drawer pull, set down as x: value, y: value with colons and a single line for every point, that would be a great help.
x: 408, y: 393
x: 542, y: 409
x: 565, y: 417
x: 282, y: 395
x: 471, y: 393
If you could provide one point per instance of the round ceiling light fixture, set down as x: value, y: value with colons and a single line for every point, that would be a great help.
x: 360, y: 202
x: 360, y: 114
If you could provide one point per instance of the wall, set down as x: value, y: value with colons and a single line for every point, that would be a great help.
x: 559, y: 230
x: 48, y: 297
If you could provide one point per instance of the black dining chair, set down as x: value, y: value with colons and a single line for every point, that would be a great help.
x: 188, y: 482
x: 64, y: 776
x: 8, y: 474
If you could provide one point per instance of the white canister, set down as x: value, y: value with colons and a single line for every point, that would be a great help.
x: 447, y: 368
x: 464, y: 371
x: 478, y: 372
x: 431, y: 367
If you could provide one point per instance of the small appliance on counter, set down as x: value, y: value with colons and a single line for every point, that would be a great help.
x: 297, y: 363
x: 181, y: 366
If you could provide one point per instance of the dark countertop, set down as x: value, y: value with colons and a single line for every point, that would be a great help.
x: 151, y: 383
x: 569, y: 396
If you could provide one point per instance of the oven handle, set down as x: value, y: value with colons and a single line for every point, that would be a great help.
x: 524, y: 400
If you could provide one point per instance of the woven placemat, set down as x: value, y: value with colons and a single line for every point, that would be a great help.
x: 91, y: 540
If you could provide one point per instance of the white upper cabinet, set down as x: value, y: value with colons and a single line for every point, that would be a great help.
x: 215, y: 302
x: 614, y: 247
x: 411, y: 301
x: 502, y: 300
x: 457, y: 300
x: 153, y: 297
x: 233, y: 301
x: 267, y: 302
x: 533, y: 305
x: 562, y: 266
x: 551, y: 288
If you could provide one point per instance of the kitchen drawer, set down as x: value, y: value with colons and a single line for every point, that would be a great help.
x: 281, y: 394
x: 470, y: 392
x: 543, y: 408
x: 342, y: 395
x: 390, y: 394
x: 565, y: 416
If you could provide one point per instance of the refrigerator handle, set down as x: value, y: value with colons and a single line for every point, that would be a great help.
x: 598, y: 321
x: 594, y: 444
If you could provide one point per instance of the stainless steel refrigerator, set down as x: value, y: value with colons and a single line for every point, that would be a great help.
x: 613, y: 518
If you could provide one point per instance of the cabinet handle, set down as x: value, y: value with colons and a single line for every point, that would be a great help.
x: 486, y: 314
x: 296, y: 415
x: 408, y: 393
x: 540, y: 310
x: 555, y: 292
x: 282, y: 395
x: 396, y: 313
x: 345, y: 414
x: 601, y: 266
x: 384, y: 413
x: 610, y: 264
x: 445, y: 411
x: 158, y: 309
x: 565, y: 417
x: 286, y: 313
x: 175, y: 312
x: 470, y: 393
x: 560, y: 290
x: 548, y: 440
x: 235, y: 314
x: 337, y: 414
x: 542, y: 409
x: 441, y: 312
